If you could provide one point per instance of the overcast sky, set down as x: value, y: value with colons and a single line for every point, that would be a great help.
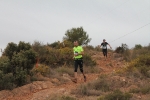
x: 48, y: 20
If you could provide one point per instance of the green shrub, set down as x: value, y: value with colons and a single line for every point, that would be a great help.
x: 25, y: 59
x: 20, y: 77
x: 10, y: 49
x: 49, y: 56
x: 119, y: 50
x: 137, y: 47
x: 14, y: 48
x: 38, y: 47
x: 52, y: 56
x: 66, y: 55
x: 5, y: 65
x: 15, y: 64
x: 6, y: 81
x: 54, y: 45
x: 22, y: 46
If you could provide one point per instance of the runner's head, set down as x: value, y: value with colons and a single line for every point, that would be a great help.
x: 75, y: 43
x: 104, y: 40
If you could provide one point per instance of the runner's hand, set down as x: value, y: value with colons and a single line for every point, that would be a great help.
x: 76, y: 54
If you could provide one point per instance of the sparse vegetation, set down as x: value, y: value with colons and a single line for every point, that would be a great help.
x: 56, y: 97
x: 116, y: 95
x: 142, y: 64
x: 65, y: 70
x: 142, y: 89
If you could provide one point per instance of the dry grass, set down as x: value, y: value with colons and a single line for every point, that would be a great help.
x: 65, y: 70
x: 93, y: 69
x: 59, y: 97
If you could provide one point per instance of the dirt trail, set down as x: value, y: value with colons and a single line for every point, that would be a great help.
x: 42, y: 90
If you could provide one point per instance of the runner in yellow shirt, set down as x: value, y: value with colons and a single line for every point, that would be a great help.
x: 78, y: 60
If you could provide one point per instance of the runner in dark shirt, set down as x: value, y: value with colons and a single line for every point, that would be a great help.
x: 104, y: 48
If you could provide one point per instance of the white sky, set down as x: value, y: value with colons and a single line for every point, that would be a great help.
x: 48, y: 20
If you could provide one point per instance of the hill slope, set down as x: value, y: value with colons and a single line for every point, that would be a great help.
x: 42, y: 90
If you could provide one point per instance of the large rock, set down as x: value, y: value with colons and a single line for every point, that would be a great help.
x: 55, y: 80
x: 66, y: 77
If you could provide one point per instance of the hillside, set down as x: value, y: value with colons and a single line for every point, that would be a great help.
x: 46, y: 90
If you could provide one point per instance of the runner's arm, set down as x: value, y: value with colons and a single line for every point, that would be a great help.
x: 110, y: 46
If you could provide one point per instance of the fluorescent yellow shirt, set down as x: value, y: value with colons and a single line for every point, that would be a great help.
x: 78, y: 49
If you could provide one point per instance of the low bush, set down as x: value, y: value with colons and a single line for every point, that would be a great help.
x: 42, y: 69
x: 101, y: 84
x: 142, y: 63
x: 116, y: 95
